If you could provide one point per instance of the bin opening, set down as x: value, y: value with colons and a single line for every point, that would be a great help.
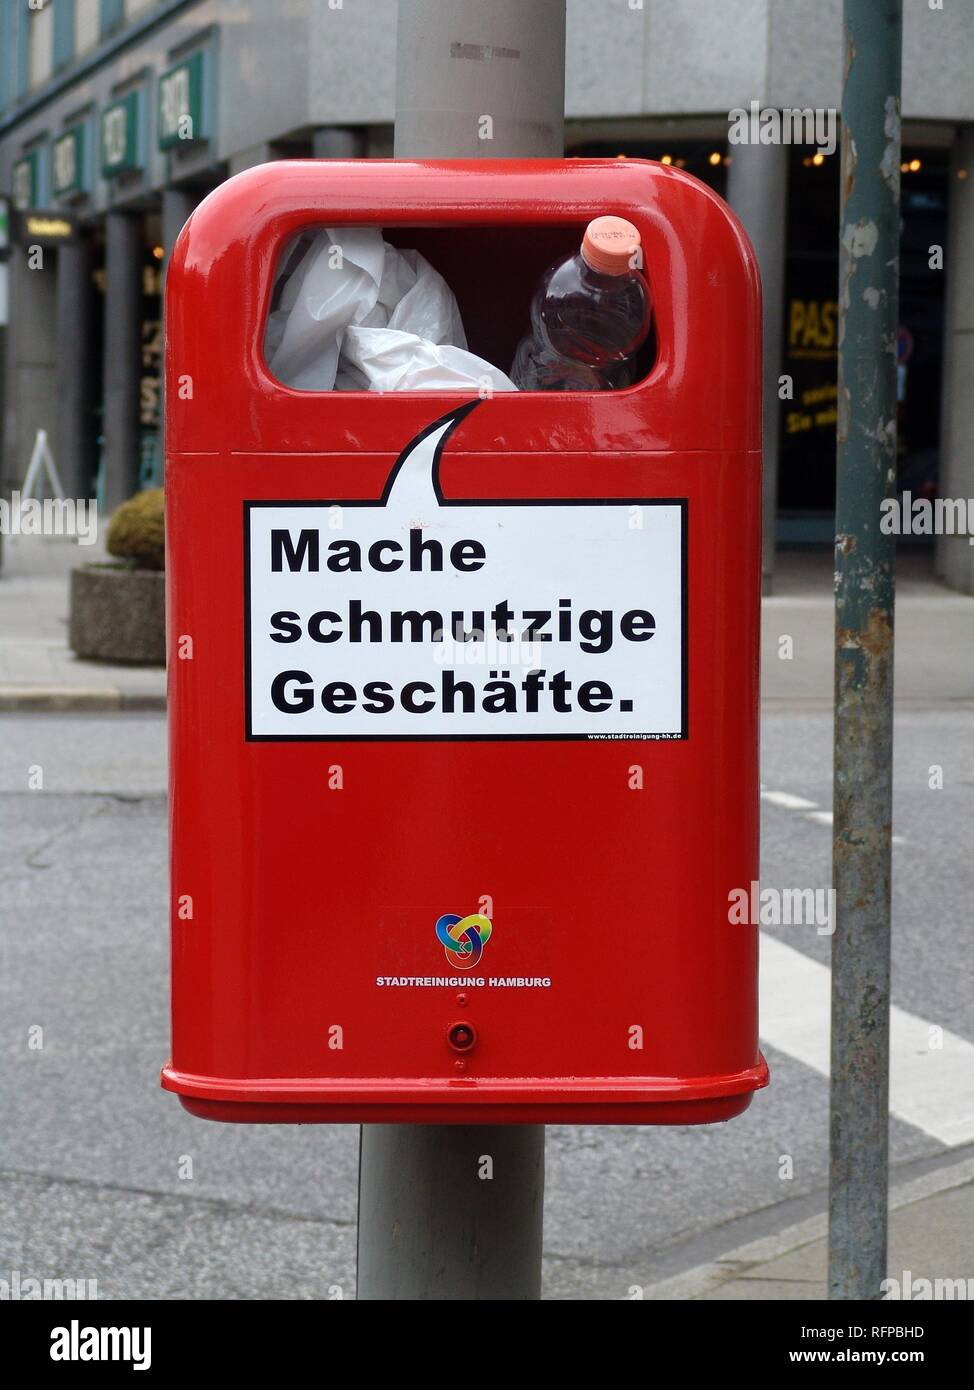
x: 491, y: 273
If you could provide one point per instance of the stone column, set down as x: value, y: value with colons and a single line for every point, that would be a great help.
x: 75, y: 422
x: 955, y: 554
x: 123, y: 355
x: 757, y: 190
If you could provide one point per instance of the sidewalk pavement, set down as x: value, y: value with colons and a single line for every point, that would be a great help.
x: 37, y: 669
x: 934, y: 633
x: 934, y: 659
x: 929, y: 1239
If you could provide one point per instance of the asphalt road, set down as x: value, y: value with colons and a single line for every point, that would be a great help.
x: 94, y: 1155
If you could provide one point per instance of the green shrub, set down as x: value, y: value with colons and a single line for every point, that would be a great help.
x: 137, y: 530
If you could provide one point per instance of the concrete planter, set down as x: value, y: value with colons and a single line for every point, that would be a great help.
x: 118, y: 614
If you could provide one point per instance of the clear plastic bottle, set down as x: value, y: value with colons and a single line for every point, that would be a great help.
x: 590, y: 315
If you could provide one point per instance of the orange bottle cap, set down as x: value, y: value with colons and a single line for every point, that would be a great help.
x: 609, y: 245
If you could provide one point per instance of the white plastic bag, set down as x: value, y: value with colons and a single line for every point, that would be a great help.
x: 387, y: 359
x: 355, y: 313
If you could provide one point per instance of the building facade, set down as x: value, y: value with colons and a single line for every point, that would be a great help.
x: 118, y: 116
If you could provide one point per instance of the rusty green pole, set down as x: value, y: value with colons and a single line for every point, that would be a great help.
x: 864, y: 595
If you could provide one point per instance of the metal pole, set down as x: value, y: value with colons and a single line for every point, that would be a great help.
x: 865, y: 586
x: 454, y: 1212
x: 450, y: 1212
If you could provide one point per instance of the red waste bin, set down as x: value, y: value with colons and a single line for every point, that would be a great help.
x: 464, y: 691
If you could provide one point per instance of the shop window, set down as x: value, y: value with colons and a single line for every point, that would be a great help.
x: 112, y: 13
x: 63, y: 31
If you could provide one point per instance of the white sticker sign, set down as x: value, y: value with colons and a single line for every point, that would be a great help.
x: 419, y: 617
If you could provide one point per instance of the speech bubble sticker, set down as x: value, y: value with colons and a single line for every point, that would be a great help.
x: 422, y: 617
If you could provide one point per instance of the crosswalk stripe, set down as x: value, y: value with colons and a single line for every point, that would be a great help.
x: 788, y: 800
x: 931, y: 1088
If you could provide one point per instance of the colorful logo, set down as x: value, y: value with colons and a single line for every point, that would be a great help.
x: 463, y: 938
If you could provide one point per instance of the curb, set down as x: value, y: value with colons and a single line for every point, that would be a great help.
x: 62, y: 699
x: 698, y: 1282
